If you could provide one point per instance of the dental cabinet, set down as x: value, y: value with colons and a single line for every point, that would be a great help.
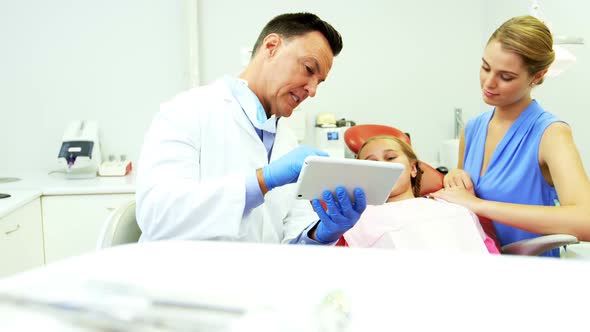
x: 48, y: 218
x: 21, y: 233
x: 73, y: 222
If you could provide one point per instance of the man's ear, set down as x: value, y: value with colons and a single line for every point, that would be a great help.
x: 271, y: 43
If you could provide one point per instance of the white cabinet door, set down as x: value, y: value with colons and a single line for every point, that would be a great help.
x: 21, y: 239
x: 72, y: 223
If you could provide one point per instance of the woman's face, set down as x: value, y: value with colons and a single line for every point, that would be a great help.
x: 390, y: 151
x: 503, y: 77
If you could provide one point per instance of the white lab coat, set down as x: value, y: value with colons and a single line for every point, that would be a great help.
x: 192, y: 170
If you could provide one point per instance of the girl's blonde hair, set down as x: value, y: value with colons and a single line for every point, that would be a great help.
x: 531, y: 39
x: 408, y: 152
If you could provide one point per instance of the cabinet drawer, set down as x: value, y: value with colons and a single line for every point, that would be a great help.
x: 21, y: 239
x: 72, y: 223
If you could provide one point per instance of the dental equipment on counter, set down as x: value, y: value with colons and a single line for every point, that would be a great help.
x: 80, y: 150
x: 114, y: 167
x: 329, y: 135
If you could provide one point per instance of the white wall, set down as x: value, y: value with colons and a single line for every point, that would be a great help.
x: 564, y: 95
x: 404, y: 63
x: 112, y: 61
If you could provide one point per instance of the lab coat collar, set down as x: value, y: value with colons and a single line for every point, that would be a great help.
x: 251, y: 105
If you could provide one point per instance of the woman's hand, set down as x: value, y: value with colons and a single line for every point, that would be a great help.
x: 459, y: 178
x: 458, y: 195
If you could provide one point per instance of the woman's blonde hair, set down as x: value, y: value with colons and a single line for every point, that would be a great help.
x: 531, y: 39
x: 408, y: 152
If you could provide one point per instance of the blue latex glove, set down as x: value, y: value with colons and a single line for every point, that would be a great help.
x: 341, y: 215
x: 286, y: 169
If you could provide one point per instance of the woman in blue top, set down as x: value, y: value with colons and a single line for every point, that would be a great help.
x: 518, y: 165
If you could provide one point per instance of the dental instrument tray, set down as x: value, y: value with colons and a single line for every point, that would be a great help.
x: 324, y: 173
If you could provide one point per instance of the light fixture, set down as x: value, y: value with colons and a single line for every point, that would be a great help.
x: 564, y: 58
x: 568, y: 40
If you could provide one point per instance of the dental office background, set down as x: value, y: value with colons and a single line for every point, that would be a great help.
x: 407, y: 64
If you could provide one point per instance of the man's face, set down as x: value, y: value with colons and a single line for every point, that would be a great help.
x: 293, y: 69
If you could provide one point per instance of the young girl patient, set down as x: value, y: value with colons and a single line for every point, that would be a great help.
x: 407, y: 221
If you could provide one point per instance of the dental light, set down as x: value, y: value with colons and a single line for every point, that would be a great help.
x: 564, y: 58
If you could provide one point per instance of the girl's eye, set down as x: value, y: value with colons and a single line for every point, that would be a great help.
x: 485, y: 68
x: 506, y: 78
x: 309, y: 70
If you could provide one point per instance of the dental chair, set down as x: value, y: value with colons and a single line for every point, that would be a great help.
x: 432, y: 180
x: 120, y: 227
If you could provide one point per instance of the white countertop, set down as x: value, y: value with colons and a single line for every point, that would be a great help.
x: 17, y: 199
x: 57, y: 184
x: 36, y: 183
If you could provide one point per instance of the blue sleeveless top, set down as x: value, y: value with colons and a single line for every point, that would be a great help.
x: 513, y: 174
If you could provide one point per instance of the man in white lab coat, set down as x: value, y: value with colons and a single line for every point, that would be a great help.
x: 217, y: 164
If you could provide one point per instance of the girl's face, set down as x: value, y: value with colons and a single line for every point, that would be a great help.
x: 388, y: 150
x: 503, y: 77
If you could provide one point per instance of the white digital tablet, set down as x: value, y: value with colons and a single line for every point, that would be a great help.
x: 324, y: 173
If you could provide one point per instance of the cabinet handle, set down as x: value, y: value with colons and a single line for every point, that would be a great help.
x: 12, y: 231
x: 110, y: 208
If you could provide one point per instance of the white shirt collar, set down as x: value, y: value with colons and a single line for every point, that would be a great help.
x: 251, y: 105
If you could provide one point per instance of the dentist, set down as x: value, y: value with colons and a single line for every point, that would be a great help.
x: 217, y: 164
